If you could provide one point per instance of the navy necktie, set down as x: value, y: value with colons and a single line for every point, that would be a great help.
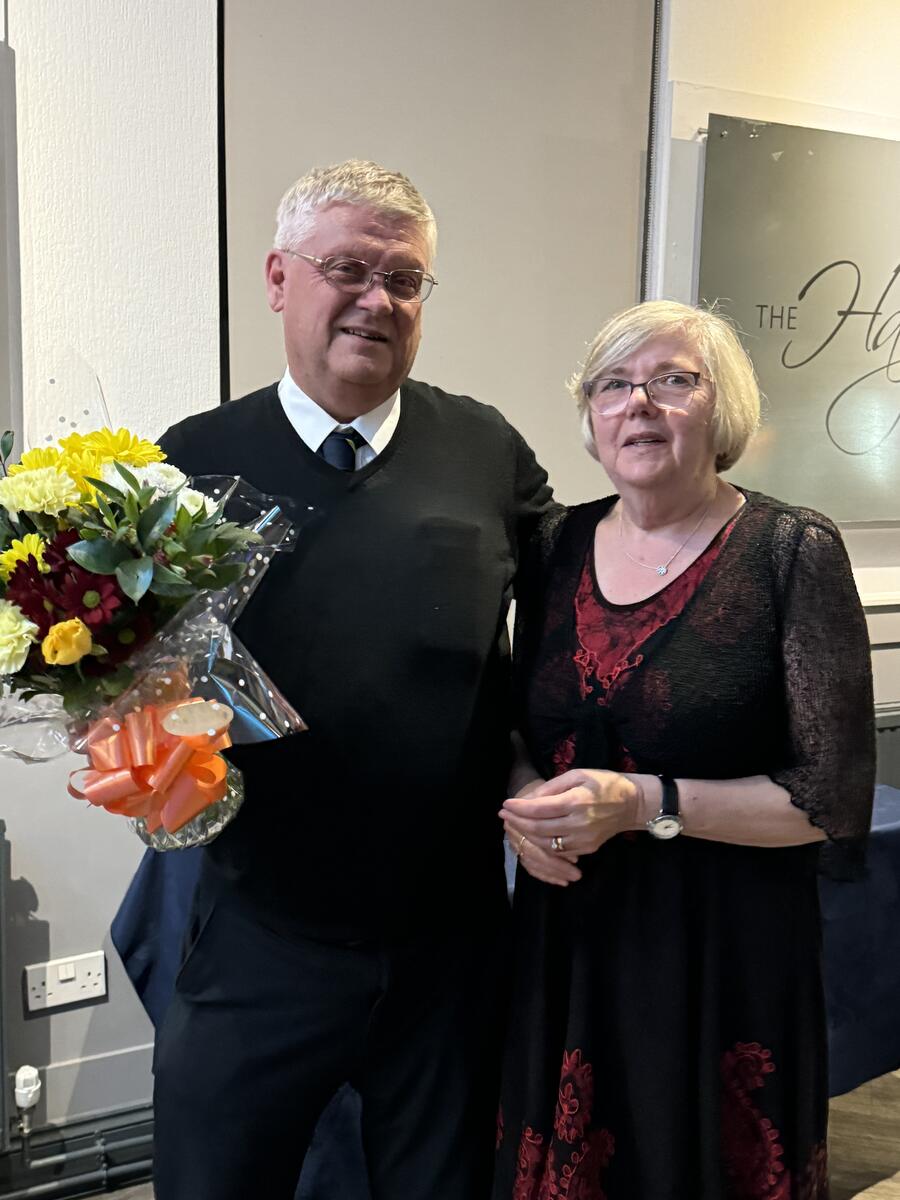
x: 339, y: 448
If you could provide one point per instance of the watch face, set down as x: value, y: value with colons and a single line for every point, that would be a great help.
x: 665, y: 827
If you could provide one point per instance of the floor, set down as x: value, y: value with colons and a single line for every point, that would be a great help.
x: 864, y: 1141
x: 864, y: 1145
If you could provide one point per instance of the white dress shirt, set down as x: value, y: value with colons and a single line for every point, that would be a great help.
x: 313, y: 424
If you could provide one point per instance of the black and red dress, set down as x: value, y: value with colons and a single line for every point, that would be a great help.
x: 668, y: 1033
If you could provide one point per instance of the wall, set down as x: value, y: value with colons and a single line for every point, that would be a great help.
x: 118, y: 242
x: 801, y: 63
x: 524, y: 124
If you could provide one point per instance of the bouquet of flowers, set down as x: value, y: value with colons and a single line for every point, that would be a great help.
x: 119, y: 583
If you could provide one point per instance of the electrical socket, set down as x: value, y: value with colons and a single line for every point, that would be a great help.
x: 78, y: 979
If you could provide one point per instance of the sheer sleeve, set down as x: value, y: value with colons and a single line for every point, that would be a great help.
x: 830, y: 761
x: 534, y: 563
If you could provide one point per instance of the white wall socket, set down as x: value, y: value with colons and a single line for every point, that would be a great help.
x: 72, y: 980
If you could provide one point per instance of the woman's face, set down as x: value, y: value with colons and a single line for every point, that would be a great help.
x: 645, y: 446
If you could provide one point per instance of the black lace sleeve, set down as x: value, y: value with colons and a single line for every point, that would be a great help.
x: 531, y: 578
x: 828, y: 683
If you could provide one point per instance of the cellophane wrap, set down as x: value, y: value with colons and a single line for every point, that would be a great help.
x: 194, y: 657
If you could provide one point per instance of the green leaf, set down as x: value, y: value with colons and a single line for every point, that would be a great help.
x: 155, y: 520
x: 100, y: 555
x: 230, y: 535
x: 108, y: 514
x: 182, y: 522
x: 134, y: 577
x: 169, y: 583
x: 211, y: 519
x: 224, y: 574
x: 128, y: 477
x: 6, y: 444
x: 132, y: 509
x: 108, y: 490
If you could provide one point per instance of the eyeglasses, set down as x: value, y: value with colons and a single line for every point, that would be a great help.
x: 354, y: 277
x: 672, y: 392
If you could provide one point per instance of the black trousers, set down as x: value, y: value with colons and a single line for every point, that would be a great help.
x: 264, y: 1029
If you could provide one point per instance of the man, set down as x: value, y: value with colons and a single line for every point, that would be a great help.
x: 350, y: 924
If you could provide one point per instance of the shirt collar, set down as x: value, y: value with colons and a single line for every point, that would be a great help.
x: 313, y: 424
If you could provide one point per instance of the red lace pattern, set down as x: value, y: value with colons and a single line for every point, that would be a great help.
x: 751, y: 1145
x: 569, y: 1166
x: 610, y: 639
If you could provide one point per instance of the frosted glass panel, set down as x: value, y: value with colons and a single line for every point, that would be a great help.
x: 801, y: 246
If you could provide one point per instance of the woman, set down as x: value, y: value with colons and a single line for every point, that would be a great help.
x: 695, y: 689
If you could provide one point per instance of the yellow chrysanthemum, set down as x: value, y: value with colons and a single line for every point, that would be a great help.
x: 73, y: 443
x: 30, y: 546
x: 122, y: 446
x: 79, y: 462
x: 41, y: 490
x: 42, y: 456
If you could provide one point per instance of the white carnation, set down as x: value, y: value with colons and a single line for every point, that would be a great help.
x: 41, y: 490
x: 162, y: 477
x: 195, y: 502
x: 17, y: 635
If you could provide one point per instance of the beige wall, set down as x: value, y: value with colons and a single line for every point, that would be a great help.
x: 523, y: 123
x: 823, y: 52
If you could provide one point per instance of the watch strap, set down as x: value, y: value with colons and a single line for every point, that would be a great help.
x: 669, y: 806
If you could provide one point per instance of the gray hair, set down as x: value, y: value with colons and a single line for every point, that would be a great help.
x: 353, y: 182
x: 735, y: 417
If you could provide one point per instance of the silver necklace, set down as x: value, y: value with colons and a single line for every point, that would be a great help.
x: 663, y: 568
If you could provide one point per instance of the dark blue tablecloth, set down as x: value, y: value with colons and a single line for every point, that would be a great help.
x: 861, y: 924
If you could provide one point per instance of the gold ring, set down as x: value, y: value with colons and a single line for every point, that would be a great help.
x: 556, y: 843
x: 521, y: 846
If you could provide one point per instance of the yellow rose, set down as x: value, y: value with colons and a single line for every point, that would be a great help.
x: 66, y: 643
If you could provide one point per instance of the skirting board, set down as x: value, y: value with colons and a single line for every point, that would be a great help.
x: 84, y: 1157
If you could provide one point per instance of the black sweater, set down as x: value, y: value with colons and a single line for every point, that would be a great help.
x: 386, y: 629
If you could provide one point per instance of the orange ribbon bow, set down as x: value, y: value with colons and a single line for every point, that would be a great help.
x: 160, y: 763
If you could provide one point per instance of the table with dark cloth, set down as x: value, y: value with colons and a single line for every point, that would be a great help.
x: 861, y: 924
x: 147, y: 932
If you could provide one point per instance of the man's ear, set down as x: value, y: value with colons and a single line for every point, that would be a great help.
x: 275, y: 280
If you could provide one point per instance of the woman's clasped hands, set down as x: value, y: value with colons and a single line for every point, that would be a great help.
x: 551, y: 823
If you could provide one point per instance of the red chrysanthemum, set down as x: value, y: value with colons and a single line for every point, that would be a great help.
x: 56, y: 556
x: 92, y: 598
x: 33, y: 592
x: 121, y: 641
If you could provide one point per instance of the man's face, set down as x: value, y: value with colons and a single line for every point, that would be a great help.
x: 348, y: 353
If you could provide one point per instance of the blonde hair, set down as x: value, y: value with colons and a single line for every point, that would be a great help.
x: 735, y: 415
x: 353, y: 182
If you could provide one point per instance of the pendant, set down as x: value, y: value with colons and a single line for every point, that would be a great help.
x: 662, y: 570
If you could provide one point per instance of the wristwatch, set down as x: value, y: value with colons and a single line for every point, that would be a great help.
x: 667, y: 823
